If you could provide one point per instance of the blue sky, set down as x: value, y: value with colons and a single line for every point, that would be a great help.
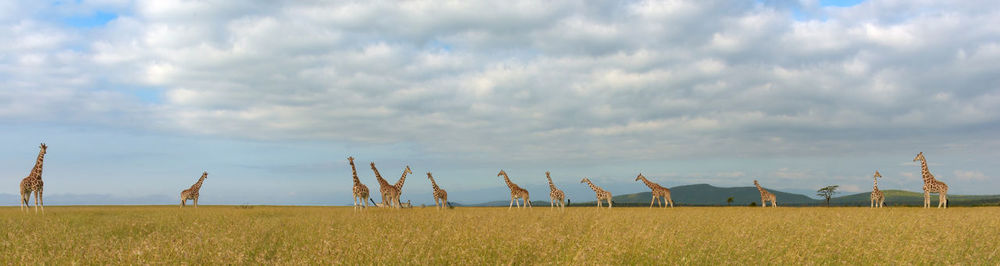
x: 137, y: 98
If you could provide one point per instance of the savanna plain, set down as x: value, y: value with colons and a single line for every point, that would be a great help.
x: 578, y: 235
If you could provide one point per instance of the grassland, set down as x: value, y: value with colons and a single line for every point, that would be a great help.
x: 338, y: 235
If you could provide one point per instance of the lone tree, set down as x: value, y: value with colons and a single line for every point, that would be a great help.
x: 729, y: 201
x: 827, y: 192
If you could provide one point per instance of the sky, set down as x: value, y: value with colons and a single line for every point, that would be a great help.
x: 137, y: 98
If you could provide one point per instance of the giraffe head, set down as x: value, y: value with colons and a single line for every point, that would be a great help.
x: 877, y: 175
x: 584, y: 180
x: 755, y: 183
x: 637, y: 178
x: 429, y: 176
x: 920, y: 157
x: 43, y: 147
x: 501, y: 173
x: 407, y: 171
x: 350, y: 159
x: 204, y: 174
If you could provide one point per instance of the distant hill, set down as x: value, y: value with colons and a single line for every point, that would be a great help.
x: 907, y: 198
x: 708, y: 195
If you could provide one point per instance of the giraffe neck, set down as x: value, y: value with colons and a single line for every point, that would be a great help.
x: 761, y: 189
x: 507, y: 180
x: 593, y: 187
x: 197, y: 185
x: 875, y: 185
x: 928, y: 177
x: 552, y: 186
x: 648, y: 183
x: 434, y: 184
x: 354, y: 172
x: 36, y: 171
x: 381, y: 181
x: 402, y: 179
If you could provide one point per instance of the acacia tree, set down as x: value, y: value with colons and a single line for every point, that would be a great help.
x: 729, y: 201
x: 827, y: 192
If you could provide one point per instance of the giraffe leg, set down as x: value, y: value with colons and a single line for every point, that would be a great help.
x: 945, y: 197
x: 651, y: 202
x: 609, y: 203
x: 41, y: 200
x: 196, y: 202
x: 927, y: 199
x: 511, y: 203
x: 24, y: 201
x: 527, y: 202
x: 36, y: 201
x: 942, y: 200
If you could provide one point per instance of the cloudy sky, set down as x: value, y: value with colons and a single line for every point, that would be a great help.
x: 137, y: 98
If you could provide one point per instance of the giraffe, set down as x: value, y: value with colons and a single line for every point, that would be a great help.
x: 601, y: 193
x: 555, y: 195
x: 515, y: 192
x: 402, y: 179
x: 766, y: 196
x: 877, y: 198
x: 439, y: 194
x: 360, y: 190
x: 33, y: 182
x: 389, y: 192
x: 658, y: 192
x: 193, y: 192
x: 932, y: 185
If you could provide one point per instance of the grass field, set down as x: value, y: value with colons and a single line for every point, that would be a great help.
x: 338, y: 235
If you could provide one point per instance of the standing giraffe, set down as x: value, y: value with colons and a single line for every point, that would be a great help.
x: 439, y: 194
x: 658, y: 192
x: 193, y: 192
x: 931, y: 185
x: 389, y: 192
x: 402, y: 179
x: 601, y: 193
x: 360, y: 190
x: 877, y: 197
x: 33, y: 182
x: 766, y: 196
x: 515, y: 192
x: 555, y: 195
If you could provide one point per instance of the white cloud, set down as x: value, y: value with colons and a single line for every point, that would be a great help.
x: 851, y: 188
x: 970, y: 175
x: 648, y: 79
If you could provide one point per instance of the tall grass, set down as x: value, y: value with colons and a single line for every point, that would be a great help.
x: 339, y: 235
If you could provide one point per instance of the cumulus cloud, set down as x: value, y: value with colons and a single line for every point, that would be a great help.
x: 528, y: 80
x: 970, y: 175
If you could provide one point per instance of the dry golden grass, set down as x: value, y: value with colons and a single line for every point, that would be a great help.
x: 338, y: 235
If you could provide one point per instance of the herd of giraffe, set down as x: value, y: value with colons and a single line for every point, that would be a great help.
x: 391, y: 193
